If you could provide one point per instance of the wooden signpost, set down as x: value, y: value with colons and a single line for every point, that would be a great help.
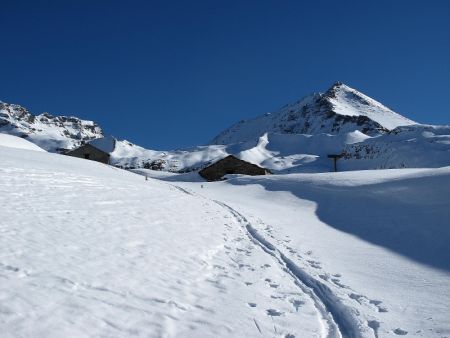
x: 335, y: 157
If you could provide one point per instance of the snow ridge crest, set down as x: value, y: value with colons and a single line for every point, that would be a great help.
x: 339, y: 110
x: 52, y: 133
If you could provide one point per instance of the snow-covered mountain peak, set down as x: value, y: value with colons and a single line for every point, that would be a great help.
x: 52, y: 133
x: 296, y: 138
x: 341, y: 109
x: 351, y: 102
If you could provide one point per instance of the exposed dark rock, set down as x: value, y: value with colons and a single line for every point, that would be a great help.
x: 17, y: 120
x: 231, y: 165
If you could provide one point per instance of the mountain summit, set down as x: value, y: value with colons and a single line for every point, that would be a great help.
x: 52, y: 133
x: 297, y: 138
x: 339, y: 110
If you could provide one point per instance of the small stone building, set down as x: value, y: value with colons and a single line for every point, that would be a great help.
x: 96, y: 150
x: 231, y: 165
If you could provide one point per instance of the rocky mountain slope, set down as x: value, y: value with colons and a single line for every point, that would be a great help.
x: 300, y: 136
x: 416, y: 146
x: 339, y: 110
x: 52, y: 133
x: 297, y: 138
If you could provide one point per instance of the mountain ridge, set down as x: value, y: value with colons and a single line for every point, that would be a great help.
x: 297, y: 138
x: 340, y: 109
x: 52, y: 133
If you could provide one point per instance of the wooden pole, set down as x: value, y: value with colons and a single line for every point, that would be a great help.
x: 334, y: 158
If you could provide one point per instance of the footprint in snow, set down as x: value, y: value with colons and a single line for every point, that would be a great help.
x: 274, y: 313
x: 277, y: 297
x: 375, y: 326
x: 310, y: 261
x: 296, y: 303
x: 11, y: 268
x: 251, y: 304
x: 377, y: 303
x: 337, y: 282
x: 325, y: 276
x: 360, y: 299
x: 356, y: 297
x: 400, y: 332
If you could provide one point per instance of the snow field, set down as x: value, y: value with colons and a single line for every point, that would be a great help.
x: 17, y: 142
x: 88, y: 250
x: 91, y: 250
x: 373, y: 245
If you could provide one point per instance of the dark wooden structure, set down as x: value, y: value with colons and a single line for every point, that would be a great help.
x: 90, y: 152
x: 335, y: 157
x: 231, y: 165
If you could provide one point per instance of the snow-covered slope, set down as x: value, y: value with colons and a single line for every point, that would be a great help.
x: 130, y: 156
x: 372, y: 244
x: 17, y: 142
x: 284, y: 153
x: 52, y: 133
x: 416, y: 146
x: 339, y: 110
x: 298, y: 138
x: 89, y: 250
x: 277, y: 152
x: 347, y: 101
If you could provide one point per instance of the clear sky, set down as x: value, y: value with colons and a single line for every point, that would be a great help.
x: 170, y: 74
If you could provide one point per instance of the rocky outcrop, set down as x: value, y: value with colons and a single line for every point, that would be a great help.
x: 340, y: 109
x: 52, y: 133
x: 231, y: 165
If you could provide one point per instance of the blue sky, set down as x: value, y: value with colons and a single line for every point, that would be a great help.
x: 171, y: 74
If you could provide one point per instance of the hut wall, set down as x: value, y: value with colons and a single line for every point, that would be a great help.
x: 231, y: 165
x: 91, y: 153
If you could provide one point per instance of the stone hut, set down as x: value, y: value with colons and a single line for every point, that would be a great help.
x: 96, y: 150
x: 231, y: 165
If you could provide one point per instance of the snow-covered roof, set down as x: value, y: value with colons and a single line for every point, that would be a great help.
x: 106, y: 144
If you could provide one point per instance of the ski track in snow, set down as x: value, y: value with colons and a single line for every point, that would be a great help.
x: 132, y: 258
x: 338, y: 319
x: 240, y: 246
x: 227, y: 273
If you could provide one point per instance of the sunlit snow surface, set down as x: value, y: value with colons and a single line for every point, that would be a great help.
x: 88, y: 250
x: 52, y: 133
x: 414, y: 146
x: 349, y: 101
x: 377, y: 239
x: 17, y: 142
